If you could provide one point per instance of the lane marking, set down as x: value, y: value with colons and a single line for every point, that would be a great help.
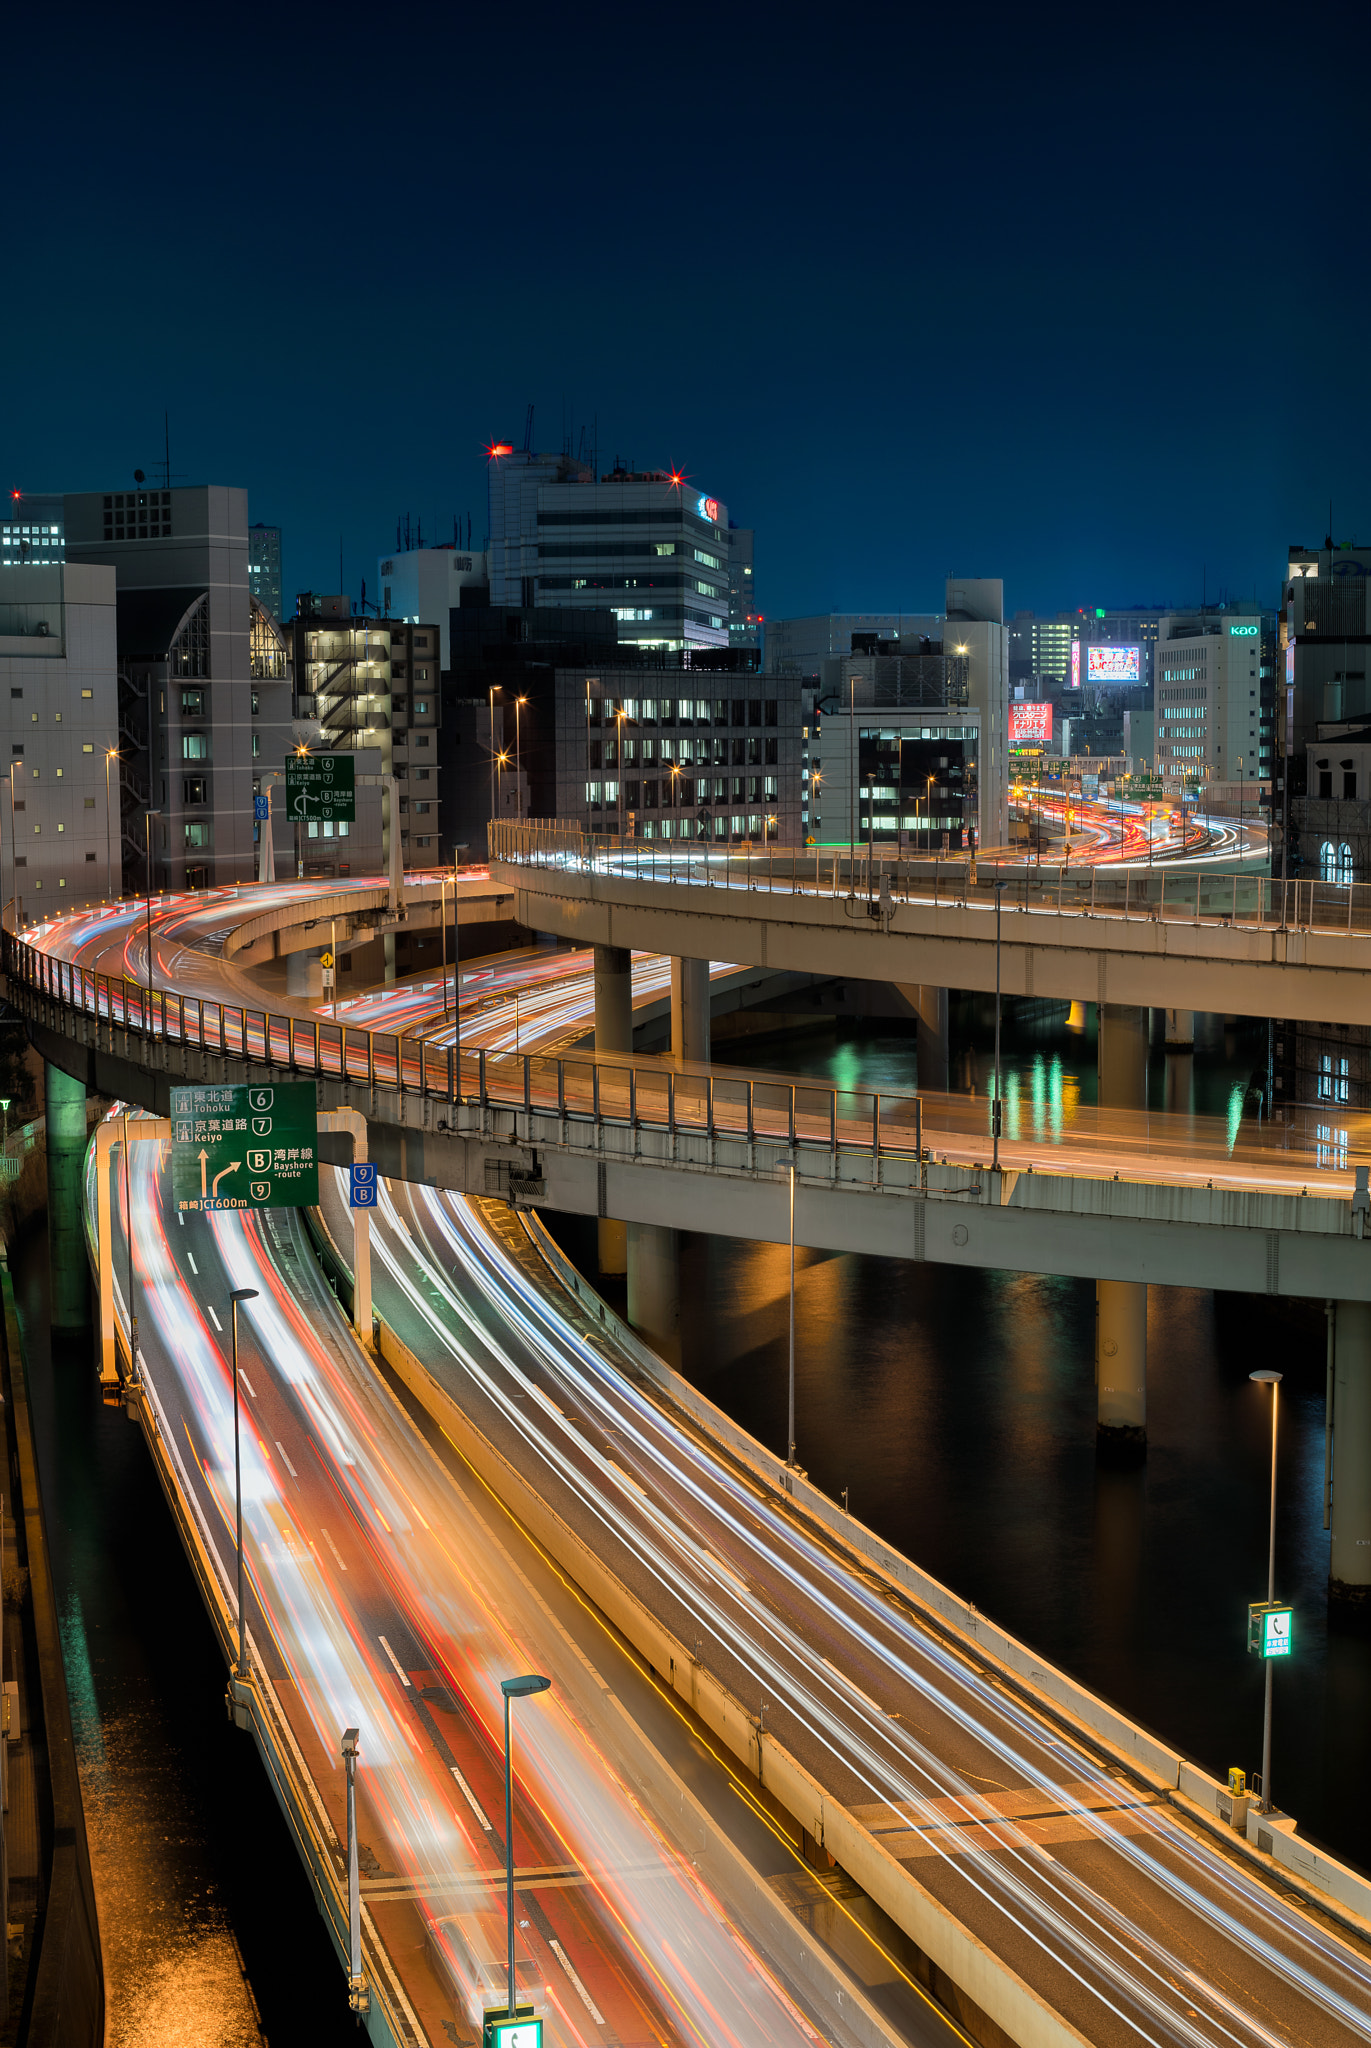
x: 399, y: 1667
x: 252, y: 1391
x: 286, y: 1455
x: 472, y: 1801
x: 333, y: 1547
x: 190, y: 1256
x: 209, y: 1308
x: 587, y: 2001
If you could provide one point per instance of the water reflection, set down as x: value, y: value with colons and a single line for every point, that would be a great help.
x: 198, y: 1885
x: 959, y: 1408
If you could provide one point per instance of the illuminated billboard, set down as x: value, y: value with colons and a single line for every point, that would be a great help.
x: 1112, y: 664
x: 1030, y: 725
x: 1075, y: 664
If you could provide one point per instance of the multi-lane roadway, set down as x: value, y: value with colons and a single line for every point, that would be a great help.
x: 1126, y: 1919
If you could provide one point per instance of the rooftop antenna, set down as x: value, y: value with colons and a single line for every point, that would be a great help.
x: 528, y: 430
x: 166, y: 448
x: 342, y: 587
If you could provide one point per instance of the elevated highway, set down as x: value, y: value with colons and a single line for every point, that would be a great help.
x: 900, y: 1719
x: 1182, y: 938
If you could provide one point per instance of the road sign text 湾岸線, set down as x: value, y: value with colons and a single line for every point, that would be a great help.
x: 321, y: 786
x: 245, y: 1148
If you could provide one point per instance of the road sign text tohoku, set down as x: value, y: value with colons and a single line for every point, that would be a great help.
x: 321, y: 786
x: 245, y: 1148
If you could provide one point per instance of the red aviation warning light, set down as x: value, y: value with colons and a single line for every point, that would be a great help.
x: 494, y: 449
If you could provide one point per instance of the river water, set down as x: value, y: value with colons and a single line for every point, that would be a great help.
x: 210, y: 1933
x: 959, y: 1409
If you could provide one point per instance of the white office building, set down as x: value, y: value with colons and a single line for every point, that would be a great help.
x: 975, y: 633
x: 32, y: 531
x: 1208, y: 697
x: 426, y: 584
x: 59, y: 688
x: 645, y: 544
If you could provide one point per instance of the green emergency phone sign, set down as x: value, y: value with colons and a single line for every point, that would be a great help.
x: 1270, y: 1628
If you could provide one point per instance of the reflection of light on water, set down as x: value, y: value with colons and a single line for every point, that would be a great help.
x: 1235, y: 1101
x: 1330, y: 1148
x: 1075, y: 1017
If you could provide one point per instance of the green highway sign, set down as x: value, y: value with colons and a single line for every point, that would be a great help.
x: 1269, y: 1628
x: 245, y: 1148
x: 321, y: 786
x: 522, y: 2031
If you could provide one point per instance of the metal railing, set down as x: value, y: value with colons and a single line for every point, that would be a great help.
x: 1188, y: 894
x: 636, y: 1094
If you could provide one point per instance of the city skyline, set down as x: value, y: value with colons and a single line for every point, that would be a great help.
x: 1058, y: 340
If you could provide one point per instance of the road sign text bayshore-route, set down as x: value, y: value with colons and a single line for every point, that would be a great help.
x: 321, y: 786
x: 245, y: 1148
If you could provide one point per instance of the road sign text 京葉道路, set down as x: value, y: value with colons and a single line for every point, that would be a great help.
x: 321, y: 786
x: 245, y: 1148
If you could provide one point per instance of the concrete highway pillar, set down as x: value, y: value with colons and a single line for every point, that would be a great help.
x: 930, y: 1004
x: 654, y: 1288
x: 1121, y: 1305
x: 65, y: 1109
x: 690, y: 1010
x: 1179, y: 1040
x: 304, y: 975
x: 1349, y: 1568
x: 1121, y: 1367
x: 1121, y: 1055
x: 613, y: 1033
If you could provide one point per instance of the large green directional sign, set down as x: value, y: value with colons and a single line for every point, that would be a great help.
x: 245, y: 1148
x: 321, y: 786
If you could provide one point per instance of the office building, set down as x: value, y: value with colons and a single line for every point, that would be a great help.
x: 505, y: 658
x: 644, y: 543
x: 745, y: 621
x: 370, y: 687
x: 32, y: 531
x: 204, y: 699
x: 264, y: 567
x: 675, y: 754
x: 800, y: 647
x: 1208, y: 698
x: 1323, y: 641
x: 889, y: 775
x: 975, y: 633
x: 60, y: 692
x: 428, y: 583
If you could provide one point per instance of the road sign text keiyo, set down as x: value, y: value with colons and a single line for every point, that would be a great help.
x: 321, y: 786
x: 245, y: 1148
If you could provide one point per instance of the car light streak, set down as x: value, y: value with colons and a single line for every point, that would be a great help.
x: 1041, y: 1896
x: 661, y: 1936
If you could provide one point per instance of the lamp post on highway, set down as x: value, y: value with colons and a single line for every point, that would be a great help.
x: 147, y: 839
x: 513, y: 1689
x: 789, y: 1159
x: 1267, y: 1378
x: 997, y: 1109
x: 111, y: 756
x: 239, y: 1294
x: 519, y: 703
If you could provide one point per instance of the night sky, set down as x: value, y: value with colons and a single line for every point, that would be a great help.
x: 1075, y: 297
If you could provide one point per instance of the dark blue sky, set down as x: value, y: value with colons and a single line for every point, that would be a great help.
x: 1075, y: 297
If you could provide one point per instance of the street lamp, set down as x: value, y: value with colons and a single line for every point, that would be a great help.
x: 789, y: 1159
x: 147, y: 823
x: 494, y: 812
x: 514, y: 1689
x: 519, y: 702
x: 239, y: 1294
x: 997, y: 1111
x: 619, y: 761
x: 501, y: 763
x: 111, y: 756
x: 1267, y: 1378
x: 14, y: 849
